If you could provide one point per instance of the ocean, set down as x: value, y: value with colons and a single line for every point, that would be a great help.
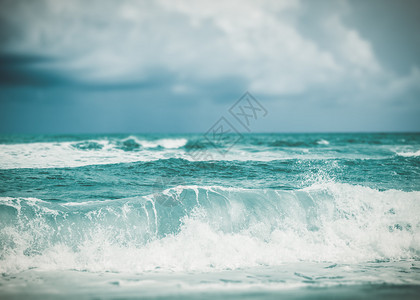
x: 247, y: 216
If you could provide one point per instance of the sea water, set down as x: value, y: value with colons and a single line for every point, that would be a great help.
x: 260, y: 216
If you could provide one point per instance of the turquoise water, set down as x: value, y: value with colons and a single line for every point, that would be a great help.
x: 259, y: 216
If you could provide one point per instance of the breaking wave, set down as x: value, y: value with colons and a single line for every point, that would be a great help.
x: 71, y: 154
x: 88, y: 152
x: 409, y: 154
x: 210, y: 228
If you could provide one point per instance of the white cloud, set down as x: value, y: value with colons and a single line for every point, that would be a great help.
x: 257, y: 41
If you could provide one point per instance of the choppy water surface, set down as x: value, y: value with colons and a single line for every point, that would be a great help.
x: 298, y: 215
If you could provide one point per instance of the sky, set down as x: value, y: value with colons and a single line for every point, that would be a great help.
x: 178, y: 65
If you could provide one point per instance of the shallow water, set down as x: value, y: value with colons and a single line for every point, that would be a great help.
x: 289, y: 280
x: 293, y: 215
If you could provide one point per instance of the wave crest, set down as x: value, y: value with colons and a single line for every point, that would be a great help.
x: 210, y: 228
x: 409, y: 154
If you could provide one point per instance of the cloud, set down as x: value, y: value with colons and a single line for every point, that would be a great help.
x: 208, y: 50
x: 109, y: 42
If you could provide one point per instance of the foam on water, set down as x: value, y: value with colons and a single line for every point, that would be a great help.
x: 409, y: 154
x: 91, y: 152
x: 117, y: 214
x: 198, y: 228
x: 66, y: 154
x: 165, y: 143
x: 323, y: 142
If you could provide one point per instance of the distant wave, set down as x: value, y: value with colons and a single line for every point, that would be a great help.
x: 409, y: 154
x: 322, y: 142
x: 82, y: 153
x: 70, y: 154
x: 209, y: 227
x: 89, y: 145
x: 165, y: 143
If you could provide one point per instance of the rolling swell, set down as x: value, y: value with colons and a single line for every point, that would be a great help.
x: 210, y: 227
x: 115, y: 181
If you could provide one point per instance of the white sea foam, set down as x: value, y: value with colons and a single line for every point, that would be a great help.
x: 409, y: 153
x: 323, y: 142
x: 165, y: 143
x: 131, y: 149
x: 221, y: 229
x: 67, y: 154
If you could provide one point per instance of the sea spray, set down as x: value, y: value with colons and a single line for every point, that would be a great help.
x: 212, y: 228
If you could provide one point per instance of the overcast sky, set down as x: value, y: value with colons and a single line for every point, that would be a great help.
x: 177, y: 66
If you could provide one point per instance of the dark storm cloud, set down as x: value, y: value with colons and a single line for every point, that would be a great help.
x: 311, y: 58
x: 24, y: 70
